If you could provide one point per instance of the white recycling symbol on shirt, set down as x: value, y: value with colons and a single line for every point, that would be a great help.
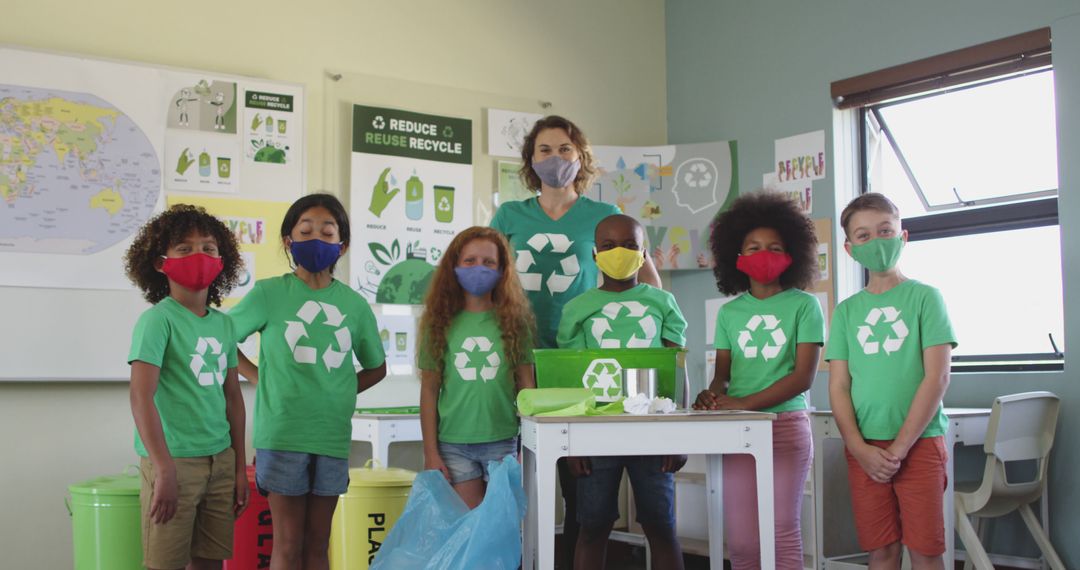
x: 296, y: 330
x: 602, y: 325
x: 776, y: 336
x: 216, y: 356
x: 893, y: 341
x: 462, y: 360
x: 557, y: 282
x: 603, y: 378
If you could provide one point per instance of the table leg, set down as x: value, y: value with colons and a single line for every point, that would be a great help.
x: 714, y: 499
x: 763, y: 461
x: 947, y: 504
x: 528, y: 469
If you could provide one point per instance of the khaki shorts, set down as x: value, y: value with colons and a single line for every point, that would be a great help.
x: 203, y: 524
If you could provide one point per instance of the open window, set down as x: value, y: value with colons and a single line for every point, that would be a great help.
x: 965, y: 145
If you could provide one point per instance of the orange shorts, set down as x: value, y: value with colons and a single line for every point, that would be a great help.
x: 908, y: 508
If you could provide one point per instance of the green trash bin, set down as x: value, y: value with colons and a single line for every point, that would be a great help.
x: 366, y: 513
x: 106, y: 524
x: 600, y: 370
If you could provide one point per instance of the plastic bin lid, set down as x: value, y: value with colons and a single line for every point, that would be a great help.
x: 380, y: 477
x: 122, y: 484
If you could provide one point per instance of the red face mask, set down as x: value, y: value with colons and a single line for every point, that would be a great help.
x: 194, y: 272
x: 764, y: 266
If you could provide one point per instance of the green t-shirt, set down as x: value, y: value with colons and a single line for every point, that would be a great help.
x: 641, y: 317
x: 554, y: 258
x: 476, y: 402
x: 883, y: 338
x: 762, y: 335
x: 194, y: 354
x: 307, y: 383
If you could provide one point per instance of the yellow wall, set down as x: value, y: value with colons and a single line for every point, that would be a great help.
x: 601, y: 62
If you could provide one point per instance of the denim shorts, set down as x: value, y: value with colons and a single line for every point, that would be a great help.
x: 468, y: 461
x: 294, y: 473
x: 654, y: 491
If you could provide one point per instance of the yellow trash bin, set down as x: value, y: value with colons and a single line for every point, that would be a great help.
x: 366, y: 513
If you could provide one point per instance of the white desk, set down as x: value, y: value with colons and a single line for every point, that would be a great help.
x: 967, y: 426
x: 383, y: 429
x: 545, y: 439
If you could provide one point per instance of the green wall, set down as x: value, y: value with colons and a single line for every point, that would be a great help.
x: 757, y: 71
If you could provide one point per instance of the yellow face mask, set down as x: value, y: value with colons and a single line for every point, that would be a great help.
x: 620, y: 263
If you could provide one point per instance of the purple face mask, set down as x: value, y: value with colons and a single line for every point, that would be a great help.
x: 556, y: 171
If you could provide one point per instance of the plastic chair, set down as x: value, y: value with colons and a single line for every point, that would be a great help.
x: 1021, y: 428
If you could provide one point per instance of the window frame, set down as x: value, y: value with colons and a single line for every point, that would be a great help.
x: 971, y: 67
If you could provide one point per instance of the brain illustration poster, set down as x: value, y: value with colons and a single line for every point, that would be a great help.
x: 674, y: 191
x: 411, y: 191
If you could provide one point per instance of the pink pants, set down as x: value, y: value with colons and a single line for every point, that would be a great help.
x: 793, y: 449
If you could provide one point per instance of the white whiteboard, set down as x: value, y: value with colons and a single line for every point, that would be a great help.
x: 68, y: 315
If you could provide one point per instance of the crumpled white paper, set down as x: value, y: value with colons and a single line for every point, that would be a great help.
x: 640, y: 404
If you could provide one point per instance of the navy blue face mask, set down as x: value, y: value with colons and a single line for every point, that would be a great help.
x: 477, y: 279
x: 315, y: 255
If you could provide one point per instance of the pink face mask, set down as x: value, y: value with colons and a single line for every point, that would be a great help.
x: 764, y: 266
x: 194, y: 272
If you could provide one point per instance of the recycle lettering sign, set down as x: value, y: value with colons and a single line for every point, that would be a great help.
x: 411, y: 192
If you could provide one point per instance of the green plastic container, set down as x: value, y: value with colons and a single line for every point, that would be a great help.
x: 106, y: 525
x: 584, y: 368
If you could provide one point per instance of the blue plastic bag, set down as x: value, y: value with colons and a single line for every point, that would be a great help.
x: 438, y: 532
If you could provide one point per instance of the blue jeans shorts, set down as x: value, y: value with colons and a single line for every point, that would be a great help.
x: 468, y: 461
x: 654, y: 491
x: 294, y: 473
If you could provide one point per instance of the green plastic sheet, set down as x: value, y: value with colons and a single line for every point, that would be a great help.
x: 564, y: 402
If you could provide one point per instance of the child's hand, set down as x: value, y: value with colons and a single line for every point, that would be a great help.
x: 658, y: 257
x: 673, y: 463
x: 240, y: 502
x: 164, y: 499
x: 897, y: 451
x: 579, y: 466
x: 706, y: 400
x: 879, y: 464
x: 434, y: 461
x: 725, y: 402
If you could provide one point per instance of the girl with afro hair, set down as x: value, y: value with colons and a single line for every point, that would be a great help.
x: 768, y: 342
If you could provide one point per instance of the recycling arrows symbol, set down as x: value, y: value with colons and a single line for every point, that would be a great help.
x: 198, y: 361
x: 765, y: 323
x: 296, y: 330
x: 698, y: 176
x: 444, y: 204
x: 603, y: 378
x: 556, y: 282
x: 892, y: 343
x: 492, y: 361
x: 602, y: 325
x: 378, y: 122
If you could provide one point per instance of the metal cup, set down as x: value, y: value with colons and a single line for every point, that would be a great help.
x: 639, y: 381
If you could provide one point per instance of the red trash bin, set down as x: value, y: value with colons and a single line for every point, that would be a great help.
x: 253, y: 536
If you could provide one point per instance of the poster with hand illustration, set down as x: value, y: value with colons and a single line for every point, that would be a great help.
x: 675, y: 191
x: 411, y: 191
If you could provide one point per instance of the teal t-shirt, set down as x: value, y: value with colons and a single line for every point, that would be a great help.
x: 307, y: 383
x: 194, y: 354
x: 640, y: 317
x: 476, y: 401
x: 762, y: 335
x: 554, y: 258
x: 882, y: 337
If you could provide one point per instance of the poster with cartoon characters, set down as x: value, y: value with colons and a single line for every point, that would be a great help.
x: 674, y: 191
x: 411, y: 191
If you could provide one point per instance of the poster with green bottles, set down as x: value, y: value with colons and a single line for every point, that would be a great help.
x: 411, y: 193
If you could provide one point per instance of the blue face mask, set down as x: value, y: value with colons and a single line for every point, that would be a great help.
x: 477, y: 279
x: 315, y: 255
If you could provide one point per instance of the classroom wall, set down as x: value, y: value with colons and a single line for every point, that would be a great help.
x: 597, y: 61
x: 757, y: 71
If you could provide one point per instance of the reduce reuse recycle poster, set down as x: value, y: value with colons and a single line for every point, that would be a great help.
x: 411, y: 193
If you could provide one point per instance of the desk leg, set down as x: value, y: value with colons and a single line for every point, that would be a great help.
x: 714, y: 499
x: 528, y: 469
x: 540, y: 518
x: 763, y: 459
